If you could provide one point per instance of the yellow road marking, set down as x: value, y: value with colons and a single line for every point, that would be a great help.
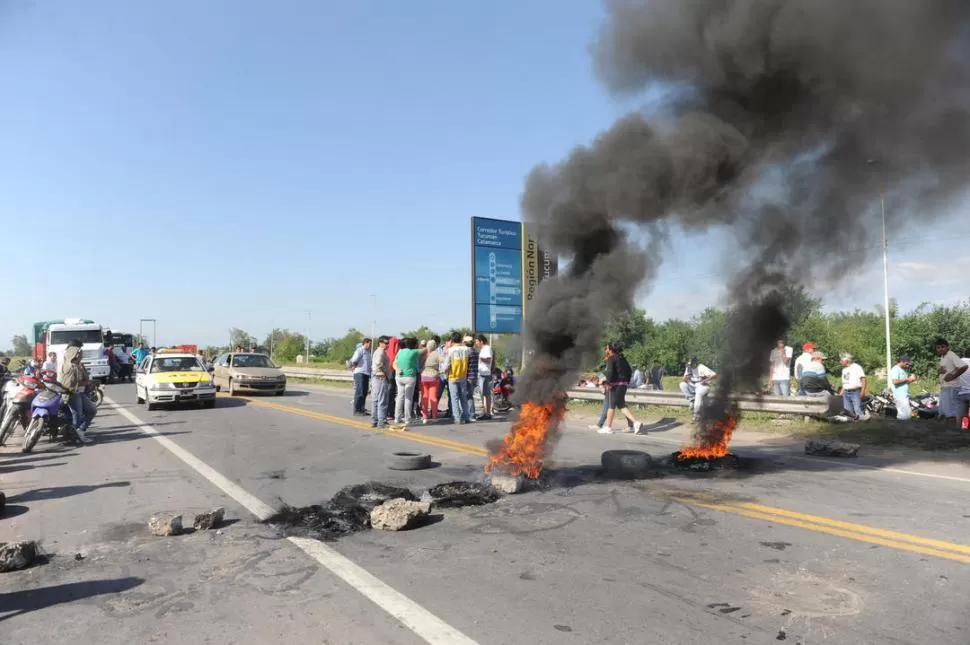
x: 818, y: 524
x: 430, y: 440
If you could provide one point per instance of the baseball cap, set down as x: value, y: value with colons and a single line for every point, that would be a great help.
x: 467, y: 339
x: 808, y: 347
x: 905, y: 359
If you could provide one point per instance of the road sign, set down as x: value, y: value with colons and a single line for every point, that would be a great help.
x: 497, y: 276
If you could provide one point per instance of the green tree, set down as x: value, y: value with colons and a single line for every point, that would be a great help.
x: 421, y: 333
x: 629, y: 328
x: 798, y: 305
x: 285, y: 345
x: 708, y: 338
x: 20, y: 345
x: 240, y: 338
x: 343, y: 348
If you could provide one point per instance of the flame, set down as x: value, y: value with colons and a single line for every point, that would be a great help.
x: 524, y: 448
x: 723, y: 428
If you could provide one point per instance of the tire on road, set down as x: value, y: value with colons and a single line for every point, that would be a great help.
x: 625, y: 464
x: 409, y: 461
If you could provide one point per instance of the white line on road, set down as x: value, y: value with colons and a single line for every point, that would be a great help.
x: 419, y: 620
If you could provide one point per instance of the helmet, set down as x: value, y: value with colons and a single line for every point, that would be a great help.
x: 48, y: 375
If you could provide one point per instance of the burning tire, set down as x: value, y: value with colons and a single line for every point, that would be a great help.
x: 409, y: 461
x: 625, y: 464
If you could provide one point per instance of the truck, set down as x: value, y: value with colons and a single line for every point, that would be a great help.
x: 55, y: 335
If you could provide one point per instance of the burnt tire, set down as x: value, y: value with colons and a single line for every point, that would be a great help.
x: 409, y: 461
x: 625, y: 464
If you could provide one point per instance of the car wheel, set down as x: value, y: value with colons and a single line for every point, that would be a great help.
x: 209, y: 404
x: 152, y: 406
x: 281, y: 393
x: 232, y: 388
x: 138, y: 398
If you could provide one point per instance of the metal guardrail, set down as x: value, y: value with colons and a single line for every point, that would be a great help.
x: 746, y: 402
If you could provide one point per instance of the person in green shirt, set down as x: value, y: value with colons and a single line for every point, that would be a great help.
x: 900, y: 377
x: 406, y: 368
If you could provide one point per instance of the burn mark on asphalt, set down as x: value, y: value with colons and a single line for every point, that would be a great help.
x: 777, y: 546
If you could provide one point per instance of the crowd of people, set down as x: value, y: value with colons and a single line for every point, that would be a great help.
x: 811, y: 378
x: 407, y: 379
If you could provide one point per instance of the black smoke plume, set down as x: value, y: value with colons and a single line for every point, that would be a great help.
x: 787, y: 119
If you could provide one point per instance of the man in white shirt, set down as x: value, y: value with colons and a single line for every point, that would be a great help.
x: 696, y: 384
x: 853, y: 386
x: 779, y: 368
x: 951, y: 369
x: 484, y: 372
x: 801, y: 363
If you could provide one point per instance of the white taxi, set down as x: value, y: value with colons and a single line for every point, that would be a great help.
x: 170, y: 378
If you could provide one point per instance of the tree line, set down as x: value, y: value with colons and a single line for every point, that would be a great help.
x: 671, y: 343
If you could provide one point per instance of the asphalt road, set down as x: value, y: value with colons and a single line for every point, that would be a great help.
x: 789, y: 548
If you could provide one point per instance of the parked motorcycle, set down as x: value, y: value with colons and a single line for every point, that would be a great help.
x: 925, y: 405
x: 17, y: 406
x: 49, y: 415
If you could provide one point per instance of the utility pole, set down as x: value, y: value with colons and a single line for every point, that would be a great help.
x: 373, y: 324
x: 308, y: 315
x: 141, y: 323
x: 885, y: 267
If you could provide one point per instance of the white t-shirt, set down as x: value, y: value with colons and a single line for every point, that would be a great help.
x: 801, y: 363
x: 852, y: 377
x: 485, y: 369
x: 780, y: 371
x: 949, y: 362
x: 699, y: 373
x: 964, y: 379
x: 49, y: 365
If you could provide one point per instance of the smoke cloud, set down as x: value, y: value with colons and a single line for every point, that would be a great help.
x: 790, y: 116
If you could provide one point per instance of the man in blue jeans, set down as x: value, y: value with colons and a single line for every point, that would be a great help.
x: 360, y: 362
x: 853, y: 387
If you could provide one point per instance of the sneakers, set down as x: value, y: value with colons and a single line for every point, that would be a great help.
x: 638, y: 428
x: 605, y: 430
x: 83, y: 436
x: 424, y: 421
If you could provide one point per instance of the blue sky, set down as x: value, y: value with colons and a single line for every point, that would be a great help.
x: 236, y: 163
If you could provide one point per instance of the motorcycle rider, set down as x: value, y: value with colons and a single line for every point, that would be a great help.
x: 74, y: 378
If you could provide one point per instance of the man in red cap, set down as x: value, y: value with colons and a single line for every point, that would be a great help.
x: 801, y: 363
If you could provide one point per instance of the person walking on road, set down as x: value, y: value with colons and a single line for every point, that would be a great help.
x: 430, y: 381
x: 618, y: 373
x: 361, y: 364
x: 406, y: 371
x: 951, y: 369
x: 901, y: 378
x: 456, y: 362
x: 380, y: 383
x: 853, y: 387
x: 486, y: 359
x: 780, y: 369
x: 443, y: 376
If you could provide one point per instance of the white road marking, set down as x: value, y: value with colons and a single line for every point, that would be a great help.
x: 419, y: 620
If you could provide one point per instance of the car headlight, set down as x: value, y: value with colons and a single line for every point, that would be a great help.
x: 163, y: 386
x: 281, y: 378
x: 205, y: 384
x: 241, y: 377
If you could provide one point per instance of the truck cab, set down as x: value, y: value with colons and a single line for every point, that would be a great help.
x: 54, y: 336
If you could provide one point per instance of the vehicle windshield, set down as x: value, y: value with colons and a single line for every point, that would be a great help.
x: 119, y: 340
x: 177, y: 364
x: 251, y: 360
x: 86, y: 336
